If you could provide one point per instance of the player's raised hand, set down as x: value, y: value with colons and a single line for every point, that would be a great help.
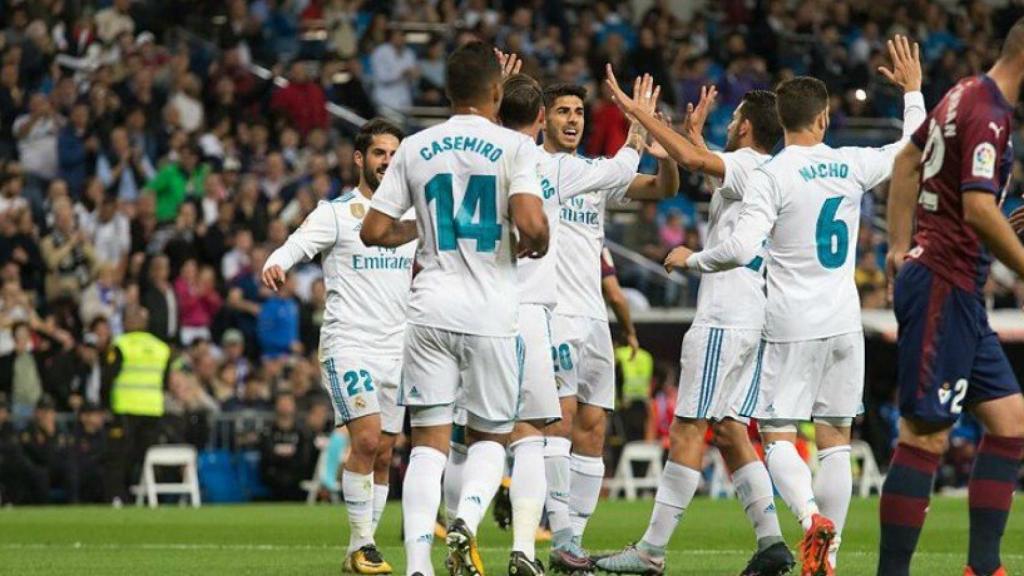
x: 273, y: 277
x: 906, y: 64
x: 646, y: 94
x: 510, y: 63
x: 677, y: 258
x: 625, y: 103
x: 697, y: 115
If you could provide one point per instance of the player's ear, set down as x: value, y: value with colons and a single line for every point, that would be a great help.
x: 541, y: 115
x: 358, y: 159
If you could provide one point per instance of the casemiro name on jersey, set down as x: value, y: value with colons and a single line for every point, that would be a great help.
x: 463, y: 143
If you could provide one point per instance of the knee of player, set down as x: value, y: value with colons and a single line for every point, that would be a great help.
x: 728, y: 437
x: 365, y: 443
x: 382, y: 462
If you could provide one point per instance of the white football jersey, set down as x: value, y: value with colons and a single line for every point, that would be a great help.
x: 458, y: 176
x: 367, y: 288
x: 564, y: 177
x: 806, y: 202
x: 732, y: 299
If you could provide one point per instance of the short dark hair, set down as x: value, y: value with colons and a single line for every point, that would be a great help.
x: 1013, y: 46
x: 799, y: 101
x: 375, y: 127
x: 559, y: 89
x: 759, y: 109
x: 521, y: 102
x: 470, y: 71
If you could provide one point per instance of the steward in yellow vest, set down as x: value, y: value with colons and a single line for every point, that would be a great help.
x: 137, y: 367
x: 636, y: 374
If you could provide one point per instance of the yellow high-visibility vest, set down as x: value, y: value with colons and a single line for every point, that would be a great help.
x: 636, y: 373
x: 139, y: 387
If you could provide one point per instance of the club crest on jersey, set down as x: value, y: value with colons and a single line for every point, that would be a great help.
x: 359, y: 402
x: 358, y: 210
x: 984, y: 164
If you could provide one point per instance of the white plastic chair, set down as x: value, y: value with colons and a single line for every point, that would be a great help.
x: 315, y: 484
x: 871, y: 476
x: 179, y: 455
x: 624, y: 481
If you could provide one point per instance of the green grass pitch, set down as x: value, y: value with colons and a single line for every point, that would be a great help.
x: 713, y: 538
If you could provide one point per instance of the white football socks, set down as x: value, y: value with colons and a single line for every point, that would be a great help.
x: 675, y: 492
x: 421, y: 495
x: 486, y: 459
x: 357, y: 490
x: 833, y: 488
x: 527, y: 493
x: 587, y: 476
x: 754, y: 489
x: 557, y: 472
x: 453, y: 480
x: 792, y: 479
x: 380, y: 500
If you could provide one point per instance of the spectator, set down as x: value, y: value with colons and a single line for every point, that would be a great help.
x: 254, y: 395
x: 124, y: 168
x: 608, y: 126
x: 87, y: 457
x: 186, y: 102
x: 20, y: 370
x: 87, y: 383
x: 279, y: 323
x: 187, y: 410
x: 232, y: 344
x: 19, y: 248
x: 672, y: 233
x: 104, y: 298
x: 111, y: 234
x: 644, y: 237
x: 198, y: 301
x: 394, y: 73
x: 76, y: 149
x: 302, y: 101
x: 159, y: 298
x: 177, y: 182
x: 36, y: 133
x: 282, y: 458
x: 44, y: 449
x: 69, y: 256
x: 114, y: 21
x: 236, y: 260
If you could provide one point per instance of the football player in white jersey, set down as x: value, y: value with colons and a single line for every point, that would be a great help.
x: 721, y: 351
x: 584, y: 358
x: 806, y: 202
x: 563, y: 177
x: 362, y: 334
x: 474, y: 187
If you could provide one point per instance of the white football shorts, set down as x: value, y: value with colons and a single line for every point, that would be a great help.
x: 539, y: 399
x: 443, y: 370
x: 584, y: 360
x: 362, y: 384
x: 718, y: 375
x: 812, y: 378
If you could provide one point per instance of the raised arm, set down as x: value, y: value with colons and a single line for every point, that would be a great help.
x: 676, y: 146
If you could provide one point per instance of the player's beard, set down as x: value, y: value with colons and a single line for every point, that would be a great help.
x: 731, y: 143
x: 371, y: 178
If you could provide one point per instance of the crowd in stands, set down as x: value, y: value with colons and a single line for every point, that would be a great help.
x: 139, y: 166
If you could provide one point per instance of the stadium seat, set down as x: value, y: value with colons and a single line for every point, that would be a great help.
x: 624, y: 482
x: 870, y: 476
x: 178, y: 455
